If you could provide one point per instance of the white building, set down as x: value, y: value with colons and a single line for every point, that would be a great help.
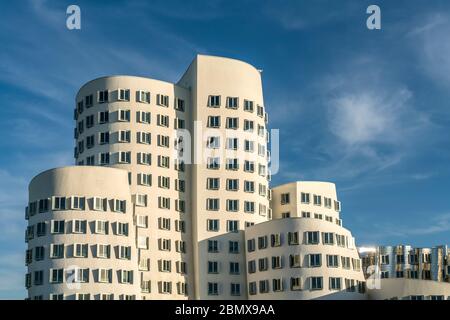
x: 170, y: 199
x: 304, y: 252
x: 188, y: 219
x: 81, y: 235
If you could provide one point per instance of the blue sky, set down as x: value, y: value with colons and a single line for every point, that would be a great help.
x: 368, y: 110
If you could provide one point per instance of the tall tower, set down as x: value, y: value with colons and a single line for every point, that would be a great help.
x: 129, y: 123
x: 189, y: 218
x: 229, y: 176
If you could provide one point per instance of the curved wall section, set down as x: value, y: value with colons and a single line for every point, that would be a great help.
x: 81, y: 239
x: 130, y: 123
x: 299, y: 258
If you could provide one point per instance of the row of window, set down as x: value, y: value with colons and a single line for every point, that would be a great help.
x: 102, y: 251
x: 78, y: 275
x: 215, y: 101
x: 141, y: 96
x: 76, y: 226
x: 213, y: 163
x: 403, y: 258
x: 313, y: 260
x: 213, y: 225
x: 56, y: 203
x: 142, y: 117
x: 311, y: 283
x: 85, y: 296
x: 78, y: 250
x: 293, y: 238
x: 305, y: 198
x: 319, y: 216
x: 232, y: 205
x: 409, y: 274
x: 213, y: 289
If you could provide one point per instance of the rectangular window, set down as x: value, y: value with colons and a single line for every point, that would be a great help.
x: 213, y: 163
x: 277, y: 262
x: 143, y: 96
x: 248, y: 105
x: 88, y: 100
x: 103, y: 117
x: 213, y: 288
x: 249, y: 206
x: 162, y: 121
x: 332, y: 261
x: 213, y: 143
x: 165, y: 265
x: 335, y: 283
x: 285, y: 198
x: 124, y: 156
x: 124, y: 252
x: 57, y: 251
x: 304, y: 197
x: 104, y: 275
x: 162, y: 100
x: 234, y: 268
x: 126, y: 276
x: 56, y: 275
x: 232, y: 205
x: 328, y: 238
x: 143, y: 117
x: 232, y: 123
x: 144, y: 158
x: 123, y: 95
x: 179, y: 104
x: 233, y: 247
x: 103, y: 96
x: 295, y: 261
x: 316, y: 283
x: 315, y: 260
x: 103, y: 251
x: 39, y: 253
x: 251, y: 245
x: 213, y: 121
x: 232, y: 164
x: 213, y: 225
x: 144, y: 179
x: 262, y: 242
x: 123, y: 115
x: 104, y: 158
x: 124, y: 136
x: 163, y: 161
x: 164, y: 203
x: 232, y: 102
x: 214, y: 101
x: 232, y: 225
x: 77, y: 203
x: 213, y: 246
x: 122, y: 229
x: 80, y: 250
x: 40, y: 229
x: 79, y: 226
x: 119, y: 206
x: 312, y: 237
x: 59, y: 203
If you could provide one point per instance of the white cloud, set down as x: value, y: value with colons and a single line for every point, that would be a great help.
x: 431, y: 40
x: 365, y: 117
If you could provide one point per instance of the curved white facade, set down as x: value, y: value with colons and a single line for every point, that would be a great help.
x: 140, y: 129
x: 304, y: 253
x: 241, y: 193
x: 81, y: 239
x: 134, y: 123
